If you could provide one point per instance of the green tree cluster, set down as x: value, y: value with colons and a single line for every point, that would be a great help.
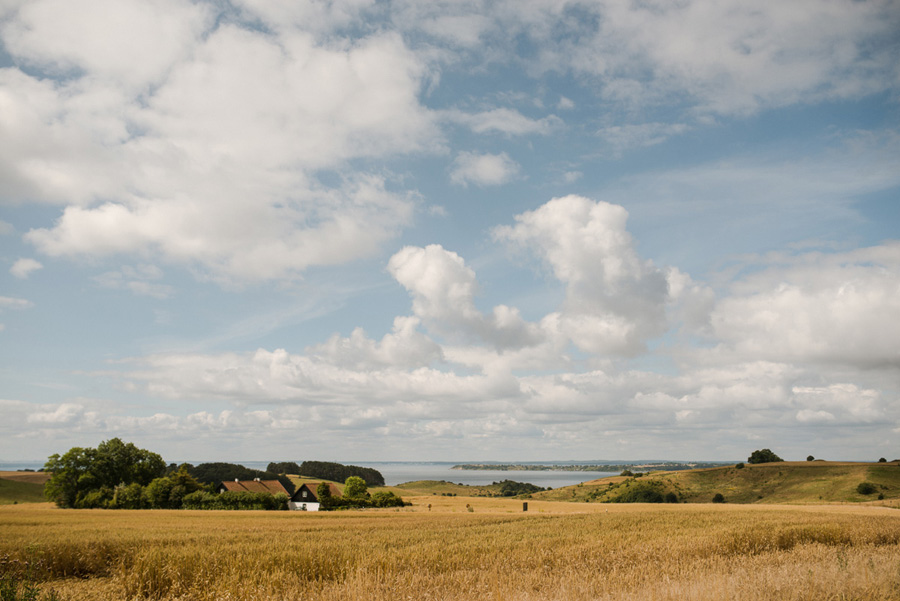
x: 337, y: 472
x: 118, y: 475
x: 763, y: 456
x: 511, y: 488
x: 283, y: 467
x: 86, y: 477
x: 216, y: 472
x: 356, y: 496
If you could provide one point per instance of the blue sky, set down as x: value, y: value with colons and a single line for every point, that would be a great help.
x: 464, y: 230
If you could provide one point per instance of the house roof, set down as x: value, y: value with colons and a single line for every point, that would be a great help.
x: 311, y: 488
x: 269, y: 486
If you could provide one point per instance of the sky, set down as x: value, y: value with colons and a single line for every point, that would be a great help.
x: 456, y: 230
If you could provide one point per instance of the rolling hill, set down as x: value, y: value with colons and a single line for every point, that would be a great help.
x: 781, y: 482
x: 22, y: 487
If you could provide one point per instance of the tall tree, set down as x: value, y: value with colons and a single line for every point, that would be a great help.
x: 355, y: 488
x: 81, y: 471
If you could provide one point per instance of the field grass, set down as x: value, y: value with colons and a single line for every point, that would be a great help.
x: 22, y: 487
x: 555, y: 551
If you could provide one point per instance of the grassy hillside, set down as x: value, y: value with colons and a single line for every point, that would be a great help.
x: 783, y: 482
x: 18, y: 491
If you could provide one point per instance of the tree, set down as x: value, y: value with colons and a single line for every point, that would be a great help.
x: 718, y: 498
x: 337, y: 472
x: 117, y: 463
x: 763, y: 456
x: 158, y: 492
x: 283, y: 467
x: 82, y: 471
x: 882, y: 460
x: 130, y: 496
x: 355, y: 488
x: 71, y: 476
x: 810, y: 458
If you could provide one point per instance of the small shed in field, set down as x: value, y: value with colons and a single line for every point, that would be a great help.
x: 305, y: 499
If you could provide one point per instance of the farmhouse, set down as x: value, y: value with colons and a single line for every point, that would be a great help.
x: 305, y: 499
x: 256, y: 485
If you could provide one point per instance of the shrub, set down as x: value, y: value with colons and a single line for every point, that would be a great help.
x: 641, y: 492
x: 671, y: 497
x: 130, y: 496
x: 386, y: 499
x: 866, y: 488
x: 718, y: 498
x: 882, y: 460
x: 200, y: 500
x: 810, y: 458
x: 739, y: 466
x: 627, y: 473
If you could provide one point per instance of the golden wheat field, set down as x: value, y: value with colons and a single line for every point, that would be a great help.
x: 555, y: 551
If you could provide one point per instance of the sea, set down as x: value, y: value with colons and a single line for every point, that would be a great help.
x: 398, y: 472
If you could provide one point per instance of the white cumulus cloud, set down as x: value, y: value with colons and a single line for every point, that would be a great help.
x: 483, y: 169
x: 24, y: 267
x: 615, y: 301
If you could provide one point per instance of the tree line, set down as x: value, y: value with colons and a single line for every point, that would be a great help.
x: 119, y: 475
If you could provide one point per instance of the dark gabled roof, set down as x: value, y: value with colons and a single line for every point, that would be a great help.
x: 269, y: 486
x: 310, y: 488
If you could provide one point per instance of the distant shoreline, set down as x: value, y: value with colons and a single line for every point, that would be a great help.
x: 595, y: 467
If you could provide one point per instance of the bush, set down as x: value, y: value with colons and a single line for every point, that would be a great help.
x: 386, y: 499
x: 627, y: 473
x: 739, y: 466
x: 866, y: 488
x: 671, y: 497
x: 882, y: 460
x: 810, y: 458
x: 201, y: 500
x: 130, y: 496
x: 641, y: 492
x: 252, y: 500
x: 718, y: 498
x: 100, y: 498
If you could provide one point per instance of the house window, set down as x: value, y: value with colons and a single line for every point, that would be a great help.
x: 304, y: 494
